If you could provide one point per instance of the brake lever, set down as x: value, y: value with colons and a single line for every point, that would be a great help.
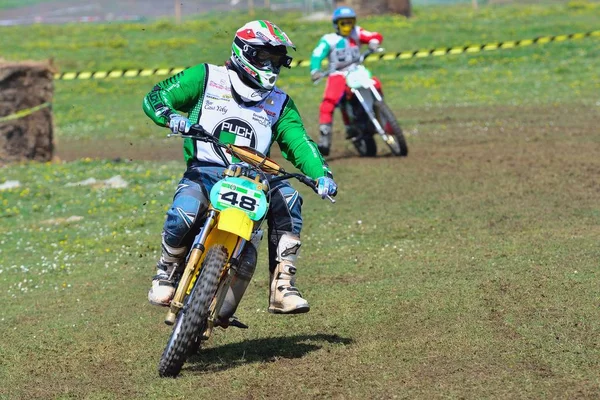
x: 310, y: 183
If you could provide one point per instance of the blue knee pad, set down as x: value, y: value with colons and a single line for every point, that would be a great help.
x: 189, y: 203
x: 286, y: 209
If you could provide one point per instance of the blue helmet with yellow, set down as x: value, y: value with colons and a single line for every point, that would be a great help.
x: 344, y: 20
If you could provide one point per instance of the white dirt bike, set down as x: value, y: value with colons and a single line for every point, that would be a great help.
x: 368, y: 113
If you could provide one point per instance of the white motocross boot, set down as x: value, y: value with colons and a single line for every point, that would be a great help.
x: 284, y: 297
x: 168, y: 268
x: 324, y: 142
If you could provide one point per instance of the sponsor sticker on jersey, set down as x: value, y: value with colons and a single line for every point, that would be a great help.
x: 235, y: 131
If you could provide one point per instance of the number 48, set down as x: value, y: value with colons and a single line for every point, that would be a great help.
x: 245, y: 202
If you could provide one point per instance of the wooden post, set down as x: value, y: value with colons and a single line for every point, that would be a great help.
x: 177, y: 11
x: 475, y: 5
x: 251, y: 7
x: 267, y: 3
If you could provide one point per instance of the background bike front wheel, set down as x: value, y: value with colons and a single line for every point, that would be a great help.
x: 396, y: 142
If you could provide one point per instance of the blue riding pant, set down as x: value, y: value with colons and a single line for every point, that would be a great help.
x: 191, y: 200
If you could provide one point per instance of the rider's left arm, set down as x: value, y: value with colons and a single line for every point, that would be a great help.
x: 295, y: 144
x: 364, y: 36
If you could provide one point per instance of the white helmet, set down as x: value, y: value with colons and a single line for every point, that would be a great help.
x: 258, y: 52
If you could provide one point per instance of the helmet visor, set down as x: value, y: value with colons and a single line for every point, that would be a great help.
x: 345, y: 25
x: 265, y: 57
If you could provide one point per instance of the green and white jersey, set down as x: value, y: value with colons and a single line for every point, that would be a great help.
x: 204, y: 93
x: 243, y: 126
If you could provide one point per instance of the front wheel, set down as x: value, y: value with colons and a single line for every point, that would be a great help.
x: 396, y: 140
x: 191, y: 321
x: 365, y: 145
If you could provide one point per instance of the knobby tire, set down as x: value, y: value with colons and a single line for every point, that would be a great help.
x: 385, y: 115
x: 191, y: 321
x: 365, y: 146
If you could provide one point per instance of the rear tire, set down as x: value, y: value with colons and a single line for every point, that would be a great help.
x: 191, y: 321
x: 397, y: 141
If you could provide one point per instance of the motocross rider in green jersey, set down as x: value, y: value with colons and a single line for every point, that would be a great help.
x: 240, y: 104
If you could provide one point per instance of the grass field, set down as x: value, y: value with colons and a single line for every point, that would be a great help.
x: 467, y: 270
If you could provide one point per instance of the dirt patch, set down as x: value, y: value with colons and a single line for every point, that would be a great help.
x: 146, y: 150
x: 26, y: 130
x: 447, y: 126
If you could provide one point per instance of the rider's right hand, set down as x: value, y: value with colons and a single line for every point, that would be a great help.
x: 326, y: 186
x: 316, y: 75
x: 179, y: 124
x: 374, y: 44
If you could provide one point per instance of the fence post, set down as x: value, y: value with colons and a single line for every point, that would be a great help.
x: 177, y: 11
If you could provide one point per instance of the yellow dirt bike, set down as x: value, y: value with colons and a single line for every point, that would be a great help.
x: 238, y: 206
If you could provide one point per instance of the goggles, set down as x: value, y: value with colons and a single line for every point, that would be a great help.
x: 346, y: 22
x: 345, y: 26
x: 263, y: 58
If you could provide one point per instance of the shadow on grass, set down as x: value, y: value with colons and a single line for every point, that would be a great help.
x: 343, y: 156
x: 349, y: 156
x: 259, y: 350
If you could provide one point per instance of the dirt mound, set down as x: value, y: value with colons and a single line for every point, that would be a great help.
x: 26, y: 129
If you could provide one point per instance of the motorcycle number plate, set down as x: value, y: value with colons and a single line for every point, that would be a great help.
x: 358, y: 78
x: 239, y: 193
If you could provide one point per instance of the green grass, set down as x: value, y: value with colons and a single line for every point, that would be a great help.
x: 552, y: 73
x: 467, y: 270
x: 7, y: 4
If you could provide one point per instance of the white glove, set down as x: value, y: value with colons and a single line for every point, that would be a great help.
x: 179, y: 124
x: 374, y: 44
x: 316, y: 75
x: 326, y: 187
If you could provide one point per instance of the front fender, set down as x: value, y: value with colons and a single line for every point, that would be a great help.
x: 232, y: 224
x: 236, y: 221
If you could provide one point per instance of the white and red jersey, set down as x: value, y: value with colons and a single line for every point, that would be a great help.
x: 341, y: 49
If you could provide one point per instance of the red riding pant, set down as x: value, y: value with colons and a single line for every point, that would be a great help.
x: 334, y: 90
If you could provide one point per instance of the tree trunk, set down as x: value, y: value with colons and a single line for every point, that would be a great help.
x: 399, y: 7
x: 369, y: 7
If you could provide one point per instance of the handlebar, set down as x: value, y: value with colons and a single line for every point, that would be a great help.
x: 197, y: 132
x: 357, y: 61
x: 302, y: 178
x: 249, y: 156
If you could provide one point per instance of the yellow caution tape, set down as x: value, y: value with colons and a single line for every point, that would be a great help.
x: 24, y: 113
x: 402, y: 55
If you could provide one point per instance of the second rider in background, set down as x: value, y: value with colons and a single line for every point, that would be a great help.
x: 340, y: 47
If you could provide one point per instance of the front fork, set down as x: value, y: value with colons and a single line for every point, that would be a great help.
x: 370, y: 113
x: 224, y: 283
x: 190, y: 268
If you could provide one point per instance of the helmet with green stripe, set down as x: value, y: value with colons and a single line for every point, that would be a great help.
x: 258, y: 52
